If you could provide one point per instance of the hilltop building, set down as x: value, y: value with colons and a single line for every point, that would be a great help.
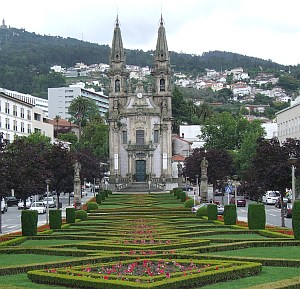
x: 140, y: 120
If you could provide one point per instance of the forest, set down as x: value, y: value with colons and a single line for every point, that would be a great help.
x: 26, y: 58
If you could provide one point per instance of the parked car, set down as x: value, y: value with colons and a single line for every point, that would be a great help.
x: 187, y: 188
x: 3, y: 206
x: 278, y: 202
x: 288, y: 210
x: 50, y: 201
x: 12, y: 201
x: 220, y: 208
x: 21, y: 204
x: 270, y: 197
x: 240, y: 201
x: 39, y: 207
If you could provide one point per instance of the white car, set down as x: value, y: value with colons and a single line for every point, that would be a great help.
x: 50, y: 201
x: 21, y: 204
x: 270, y: 197
x: 39, y: 207
x: 3, y: 206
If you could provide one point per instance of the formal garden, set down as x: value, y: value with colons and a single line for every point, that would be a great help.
x: 149, y: 241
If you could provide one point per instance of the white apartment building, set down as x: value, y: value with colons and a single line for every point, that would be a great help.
x: 36, y: 101
x: 21, y: 118
x: 60, y: 98
x: 288, y: 122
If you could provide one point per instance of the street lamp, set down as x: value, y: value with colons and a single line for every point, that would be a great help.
x: 47, y: 209
x: 197, y: 184
x: 292, y: 161
x: 235, y: 189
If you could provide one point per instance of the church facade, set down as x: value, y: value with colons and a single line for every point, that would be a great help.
x: 140, y: 118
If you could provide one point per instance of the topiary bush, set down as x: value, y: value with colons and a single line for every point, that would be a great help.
x: 182, y: 196
x: 70, y: 215
x: 29, y: 220
x: 81, y: 214
x: 256, y: 217
x: 212, y: 212
x: 98, y: 199
x: 230, y: 215
x: 202, y: 212
x: 189, y: 203
x: 92, y: 206
x: 55, y: 220
x: 296, y: 219
x: 102, y: 194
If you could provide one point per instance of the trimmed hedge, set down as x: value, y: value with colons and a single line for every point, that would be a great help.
x: 189, y: 203
x: 296, y: 219
x: 92, y: 206
x: 70, y: 215
x: 81, y: 214
x: 256, y: 216
x: 202, y: 211
x: 212, y: 212
x: 55, y: 220
x: 98, y: 199
x: 230, y: 215
x: 29, y: 221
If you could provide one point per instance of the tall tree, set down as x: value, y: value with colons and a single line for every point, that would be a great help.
x: 83, y: 109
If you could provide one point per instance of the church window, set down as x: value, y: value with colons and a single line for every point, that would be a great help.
x: 156, y: 136
x: 162, y: 85
x: 117, y: 85
x: 140, y: 137
x: 124, y: 136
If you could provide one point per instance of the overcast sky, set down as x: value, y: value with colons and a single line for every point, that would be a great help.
x: 267, y: 29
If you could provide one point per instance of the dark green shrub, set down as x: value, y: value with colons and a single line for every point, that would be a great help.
x: 55, y: 219
x: 212, y: 212
x: 202, y: 212
x: 109, y: 192
x: 189, y: 203
x: 81, y: 214
x: 98, y: 199
x: 177, y: 192
x: 105, y: 193
x: 296, y: 219
x: 92, y: 206
x: 102, y: 194
x: 70, y: 215
x: 230, y: 215
x: 182, y: 196
x: 256, y: 216
x: 29, y: 220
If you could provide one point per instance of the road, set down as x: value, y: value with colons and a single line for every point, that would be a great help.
x: 11, y: 220
x: 273, y: 215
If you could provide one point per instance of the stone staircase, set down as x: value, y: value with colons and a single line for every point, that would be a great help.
x: 141, y: 187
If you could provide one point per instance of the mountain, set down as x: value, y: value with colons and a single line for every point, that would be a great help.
x: 25, y: 59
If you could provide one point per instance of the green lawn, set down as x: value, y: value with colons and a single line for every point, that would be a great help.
x: 236, y: 236
x: 22, y: 259
x: 291, y: 252
x: 269, y: 274
x: 50, y: 242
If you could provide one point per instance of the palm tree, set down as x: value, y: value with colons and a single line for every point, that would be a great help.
x: 57, y: 118
x: 78, y: 108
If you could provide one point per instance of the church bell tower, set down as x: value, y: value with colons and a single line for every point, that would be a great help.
x: 140, y: 120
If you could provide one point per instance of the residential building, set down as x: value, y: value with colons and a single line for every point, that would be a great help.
x: 191, y: 133
x: 21, y: 118
x: 60, y: 98
x: 288, y: 122
x: 36, y: 101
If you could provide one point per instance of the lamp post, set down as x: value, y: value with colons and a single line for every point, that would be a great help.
x: 235, y: 189
x: 197, y: 184
x: 292, y: 161
x: 47, y: 209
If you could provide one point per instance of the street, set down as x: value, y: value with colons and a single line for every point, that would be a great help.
x: 11, y: 220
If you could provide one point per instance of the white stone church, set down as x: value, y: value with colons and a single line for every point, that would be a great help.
x: 140, y: 120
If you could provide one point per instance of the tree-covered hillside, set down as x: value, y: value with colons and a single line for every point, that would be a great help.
x: 25, y: 59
